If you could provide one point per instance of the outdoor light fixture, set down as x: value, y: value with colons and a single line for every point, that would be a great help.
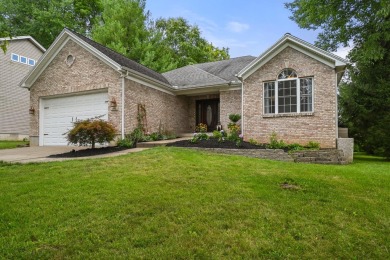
x: 31, y: 111
x: 113, y: 103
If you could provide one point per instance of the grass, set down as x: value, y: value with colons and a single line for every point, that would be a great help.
x: 11, y: 144
x: 176, y: 203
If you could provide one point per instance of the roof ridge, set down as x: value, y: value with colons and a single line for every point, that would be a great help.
x: 193, y: 65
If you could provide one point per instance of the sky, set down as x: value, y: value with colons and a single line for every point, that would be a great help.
x: 247, y: 27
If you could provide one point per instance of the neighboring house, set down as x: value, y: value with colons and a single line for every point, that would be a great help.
x: 22, y: 54
x: 290, y: 89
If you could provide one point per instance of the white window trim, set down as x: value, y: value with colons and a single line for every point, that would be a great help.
x: 298, y: 97
x: 20, y: 59
x: 16, y: 55
x: 28, y: 62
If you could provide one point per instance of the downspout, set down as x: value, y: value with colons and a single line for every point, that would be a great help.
x: 242, y: 106
x: 123, y: 106
x: 337, y: 103
x: 337, y: 110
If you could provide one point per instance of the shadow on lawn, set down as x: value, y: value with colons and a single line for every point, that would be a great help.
x: 363, y: 157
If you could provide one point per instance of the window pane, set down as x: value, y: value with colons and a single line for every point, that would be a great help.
x: 31, y: 62
x: 286, y: 97
x: 14, y: 57
x: 269, y: 97
x: 306, y: 91
x: 287, y: 74
x: 23, y: 59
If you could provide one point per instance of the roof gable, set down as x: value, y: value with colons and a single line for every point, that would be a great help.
x: 28, y: 38
x: 111, y: 58
x: 289, y: 40
x: 124, y: 61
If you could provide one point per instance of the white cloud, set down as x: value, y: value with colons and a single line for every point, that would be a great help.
x: 237, y: 27
x: 343, y: 52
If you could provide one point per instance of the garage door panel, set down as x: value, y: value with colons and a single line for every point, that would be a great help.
x: 60, y: 113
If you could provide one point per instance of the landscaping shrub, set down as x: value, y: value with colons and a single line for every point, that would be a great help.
x: 201, y: 133
x: 126, y: 143
x: 275, y: 143
x: 234, y: 117
x: 253, y: 141
x: 91, y: 131
x: 295, y: 147
x: 313, y: 145
x: 234, y: 129
x: 220, y: 135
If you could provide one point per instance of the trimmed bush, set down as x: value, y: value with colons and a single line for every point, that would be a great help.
x: 91, y: 131
x: 234, y: 117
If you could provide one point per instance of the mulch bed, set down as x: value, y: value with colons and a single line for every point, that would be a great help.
x: 213, y: 143
x: 88, y: 152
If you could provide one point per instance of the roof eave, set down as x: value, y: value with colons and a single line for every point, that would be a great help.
x: 150, y: 79
x: 30, y: 38
x: 53, y: 50
x: 204, y: 89
x: 328, y: 58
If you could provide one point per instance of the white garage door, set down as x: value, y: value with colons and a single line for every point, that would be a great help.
x: 59, y: 113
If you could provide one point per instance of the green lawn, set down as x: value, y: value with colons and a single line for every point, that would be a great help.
x: 11, y: 144
x: 176, y: 203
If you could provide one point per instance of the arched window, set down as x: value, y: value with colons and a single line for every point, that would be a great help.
x: 288, y: 94
x: 287, y: 74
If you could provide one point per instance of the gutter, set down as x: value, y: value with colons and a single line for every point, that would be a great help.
x: 145, y: 77
x: 337, y: 81
x: 123, y: 106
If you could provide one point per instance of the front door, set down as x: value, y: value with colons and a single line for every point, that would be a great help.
x: 207, y: 112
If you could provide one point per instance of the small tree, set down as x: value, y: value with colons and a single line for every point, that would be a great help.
x: 91, y: 131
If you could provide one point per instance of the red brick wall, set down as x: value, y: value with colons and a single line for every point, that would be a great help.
x: 320, y: 126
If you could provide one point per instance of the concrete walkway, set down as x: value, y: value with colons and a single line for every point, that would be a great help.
x: 160, y: 143
x: 39, y: 154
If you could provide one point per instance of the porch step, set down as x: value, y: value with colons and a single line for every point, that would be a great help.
x: 190, y: 135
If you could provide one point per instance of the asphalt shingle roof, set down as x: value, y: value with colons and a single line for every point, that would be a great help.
x: 210, y: 73
x: 204, y: 74
x: 123, y: 61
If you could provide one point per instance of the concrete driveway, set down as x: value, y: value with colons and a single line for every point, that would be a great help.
x: 39, y: 154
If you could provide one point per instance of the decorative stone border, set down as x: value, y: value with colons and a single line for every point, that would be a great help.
x: 326, y: 156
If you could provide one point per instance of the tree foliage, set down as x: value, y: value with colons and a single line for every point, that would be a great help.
x: 176, y: 44
x: 91, y: 131
x: 44, y: 20
x: 123, y: 27
x: 162, y: 45
x: 365, y: 98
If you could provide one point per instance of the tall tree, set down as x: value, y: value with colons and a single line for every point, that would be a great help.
x: 44, y: 20
x: 123, y: 27
x: 181, y: 44
x: 162, y: 45
x: 364, y: 24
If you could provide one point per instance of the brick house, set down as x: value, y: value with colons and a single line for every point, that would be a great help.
x: 22, y: 54
x: 290, y: 89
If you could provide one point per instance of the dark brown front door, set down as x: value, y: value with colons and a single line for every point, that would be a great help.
x: 207, y: 112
